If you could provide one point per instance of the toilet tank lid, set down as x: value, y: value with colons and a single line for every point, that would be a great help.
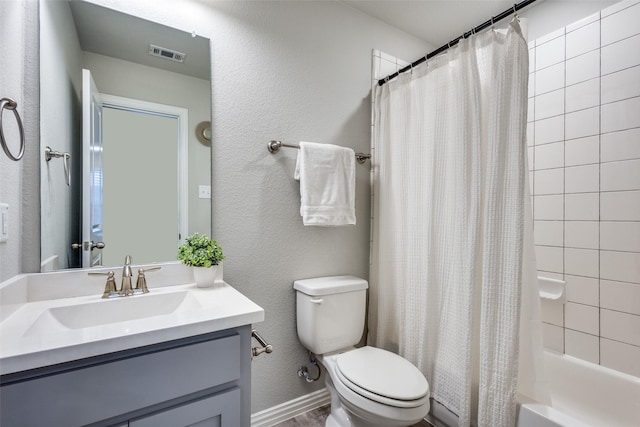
x: 330, y: 285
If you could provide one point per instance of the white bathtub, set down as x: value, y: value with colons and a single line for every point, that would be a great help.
x: 584, y: 394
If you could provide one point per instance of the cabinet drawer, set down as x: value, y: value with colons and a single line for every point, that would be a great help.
x: 220, y: 410
x: 95, y: 393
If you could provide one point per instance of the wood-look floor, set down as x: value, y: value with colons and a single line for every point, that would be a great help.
x: 316, y: 418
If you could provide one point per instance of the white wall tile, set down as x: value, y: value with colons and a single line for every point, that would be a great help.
x: 582, y: 207
x: 583, y: 318
x: 549, y: 130
x: 530, y: 134
x: 532, y: 85
x: 582, y: 95
x: 549, y: 53
x: 619, y: 356
x: 620, y: 296
x: 582, y: 179
x: 549, y: 105
x: 621, y: 85
x: 532, y: 60
x: 549, y: 36
x: 583, y: 290
x: 549, y: 207
x: 620, y: 55
x: 581, y: 345
x: 552, y: 312
x: 620, y: 25
x: 548, y: 233
x: 549, y: 181
x: 582, y: 68
x: 620, y: 115
x: 623, y: 175
x: 582, y: 123
x: 549, y: 79
x: 619, y: 266
x: 530, y: 158
x: 549, y: 156
x: 549, y: 258
x: 620, y: 236
x: 620, y: 326
x: 620, y: 206
x: 581, y: 23
x: 581, y: 262
x: 582, y: 151
x: 583, y: 40
x: 531, y: 186
x: 581, y: 234
x: 553, y: 337
x: 617, y: 7
x: 623, y: 145
x: 387, y: 67
x: 530, y: 110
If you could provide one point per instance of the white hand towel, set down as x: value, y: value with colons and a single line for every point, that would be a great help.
x: 327, y: 175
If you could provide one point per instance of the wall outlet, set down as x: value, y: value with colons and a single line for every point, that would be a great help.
x: 4, y: 222
x: 204, y: 191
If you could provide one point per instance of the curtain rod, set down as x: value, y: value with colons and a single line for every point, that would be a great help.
x: 486, y: 24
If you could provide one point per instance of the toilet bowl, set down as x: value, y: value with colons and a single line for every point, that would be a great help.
x: 375, y: 388
x: 368, y: 386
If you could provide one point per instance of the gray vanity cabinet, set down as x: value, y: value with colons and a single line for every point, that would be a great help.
x: 200, y: 380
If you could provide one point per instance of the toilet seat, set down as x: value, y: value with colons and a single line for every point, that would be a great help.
x: 382, y: 376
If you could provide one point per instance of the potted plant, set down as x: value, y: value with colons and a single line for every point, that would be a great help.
x: 205, y: 256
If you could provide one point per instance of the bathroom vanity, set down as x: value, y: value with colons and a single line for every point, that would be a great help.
x: 177, y: 356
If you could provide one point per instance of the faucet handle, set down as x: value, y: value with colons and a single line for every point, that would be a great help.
x: 141, y: 283
x: 110, y: 288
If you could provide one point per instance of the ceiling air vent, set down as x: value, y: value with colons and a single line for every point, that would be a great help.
x: 166, y: 53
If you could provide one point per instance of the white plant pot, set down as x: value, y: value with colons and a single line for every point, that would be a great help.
x: 207, y: 276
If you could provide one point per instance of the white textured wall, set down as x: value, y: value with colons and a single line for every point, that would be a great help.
x: 60, y: 127
x: 19, y: 181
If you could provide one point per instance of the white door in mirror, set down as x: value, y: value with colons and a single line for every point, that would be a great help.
x: 4, y: 222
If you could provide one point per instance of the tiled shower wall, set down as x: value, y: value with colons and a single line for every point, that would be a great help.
x: 584, y: 156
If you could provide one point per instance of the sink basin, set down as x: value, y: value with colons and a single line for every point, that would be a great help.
x: 105, y: 312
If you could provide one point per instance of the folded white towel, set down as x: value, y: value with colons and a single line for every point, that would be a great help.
x: 327, y: 175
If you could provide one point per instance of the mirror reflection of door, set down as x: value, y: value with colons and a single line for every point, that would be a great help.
x: 141, y: 193
x: 92, y: 173
x: 144, y: 153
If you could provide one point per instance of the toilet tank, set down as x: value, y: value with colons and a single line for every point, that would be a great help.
x: 330, y: 312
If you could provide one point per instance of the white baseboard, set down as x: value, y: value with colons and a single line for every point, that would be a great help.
x: 290, y: 409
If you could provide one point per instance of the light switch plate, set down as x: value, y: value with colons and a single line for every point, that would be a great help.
x: 204, y: 191
x: 4, y: 222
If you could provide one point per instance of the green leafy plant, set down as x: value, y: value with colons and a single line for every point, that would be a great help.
x: 200, y: 251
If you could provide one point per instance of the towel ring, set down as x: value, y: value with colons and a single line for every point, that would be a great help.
x: 10, y: 104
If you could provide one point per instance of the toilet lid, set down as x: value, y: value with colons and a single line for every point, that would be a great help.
x: 383, y: 373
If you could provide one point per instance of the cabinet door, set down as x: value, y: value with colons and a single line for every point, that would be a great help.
x: 220, y: 410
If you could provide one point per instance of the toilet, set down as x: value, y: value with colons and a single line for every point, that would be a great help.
x: 368, y: 386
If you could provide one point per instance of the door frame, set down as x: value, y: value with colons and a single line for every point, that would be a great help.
x: 182, y: 115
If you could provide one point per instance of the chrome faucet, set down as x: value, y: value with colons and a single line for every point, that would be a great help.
x: 126, y: 289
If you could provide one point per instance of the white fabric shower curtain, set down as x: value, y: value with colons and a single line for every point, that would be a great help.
x: 449, y: 193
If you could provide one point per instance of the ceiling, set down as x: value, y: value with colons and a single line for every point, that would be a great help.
x: 118, y: 35
x: 434, y: 21
x: 111, y: 33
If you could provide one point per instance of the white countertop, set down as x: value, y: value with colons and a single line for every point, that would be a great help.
x: 31, y: 338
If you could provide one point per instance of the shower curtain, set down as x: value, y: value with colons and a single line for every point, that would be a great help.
x: 449, y: 222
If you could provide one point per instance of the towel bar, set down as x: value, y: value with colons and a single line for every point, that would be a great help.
x: 274, y: 146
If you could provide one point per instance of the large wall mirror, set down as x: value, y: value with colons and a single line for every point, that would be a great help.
x: 122, y: 99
